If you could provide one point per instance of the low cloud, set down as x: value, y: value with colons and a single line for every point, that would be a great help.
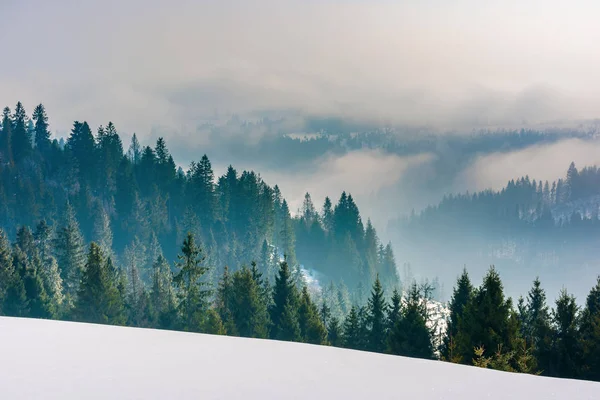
x: 547, y: 162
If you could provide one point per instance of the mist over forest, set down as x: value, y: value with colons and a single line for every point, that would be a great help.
x: 396, y: 172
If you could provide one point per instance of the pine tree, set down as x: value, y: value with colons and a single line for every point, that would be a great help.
x: 376, y: 318
x: 98, y: 298
x: 192, y: 295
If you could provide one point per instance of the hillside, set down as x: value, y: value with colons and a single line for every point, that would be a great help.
x: 61, y: 360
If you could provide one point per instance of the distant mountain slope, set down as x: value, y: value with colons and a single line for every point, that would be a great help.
x: 61, y: 360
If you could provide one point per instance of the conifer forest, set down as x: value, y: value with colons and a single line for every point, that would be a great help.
x: 100, y: 231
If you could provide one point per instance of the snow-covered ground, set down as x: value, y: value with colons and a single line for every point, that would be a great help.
x: 62, y: 360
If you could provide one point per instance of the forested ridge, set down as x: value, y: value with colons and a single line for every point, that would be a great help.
x: 133, y: 202
x: 95, y: 234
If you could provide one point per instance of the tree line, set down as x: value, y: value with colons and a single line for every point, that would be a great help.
x: 484, y: 328
x: 131, y: 201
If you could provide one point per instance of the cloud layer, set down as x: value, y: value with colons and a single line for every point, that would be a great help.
x: 147, y: 63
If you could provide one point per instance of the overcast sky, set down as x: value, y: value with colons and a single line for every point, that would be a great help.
x: 142, y: 63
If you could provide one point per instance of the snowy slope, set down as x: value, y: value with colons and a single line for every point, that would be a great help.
x: 61, y: 360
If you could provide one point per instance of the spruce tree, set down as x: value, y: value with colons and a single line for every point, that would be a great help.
x: 134, y: 259
x: 224, y: 302
x: 335, y: 334
x: 462, y: 295
x: 135, y: 150
x: 162, y: 296
x: 284, y: 308
x: 288, y: 328
x: 410, y: 336
x: 21, y: 137
x: 352, y: 330
x: 394, y: 311
x: 536, y: 327
x: 98, y: 297
x: 485, y: 320
x: 6, y: 269
x: 6, y: 138
x: 312, y: 328
x: 15, y: 302
x: 192, y: 293
x: 42, y: 134
x: 247, y: 306
x: 70, y: 253
x: 590, y: 335
x: 376, y: 318
x: 566, y: 347
x: 103, y: 235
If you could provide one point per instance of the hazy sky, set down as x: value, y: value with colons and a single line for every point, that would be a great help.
x: 143, y: 63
